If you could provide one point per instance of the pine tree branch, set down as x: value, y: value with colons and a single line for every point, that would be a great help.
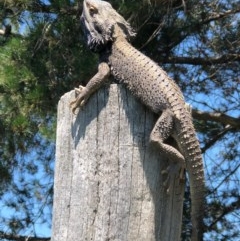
x: 38, y: 7
x: 13, y: 237
x: 195, y: 28
x: 217, y: 16
x: 217, y: 117
x: 216, y: 138
x: 202, y: 61
x: 226, y: 210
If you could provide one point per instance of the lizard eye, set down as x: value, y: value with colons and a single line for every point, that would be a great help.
x: 92, y: 9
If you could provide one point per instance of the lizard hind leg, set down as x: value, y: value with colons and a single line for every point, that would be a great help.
x: 163, y: 129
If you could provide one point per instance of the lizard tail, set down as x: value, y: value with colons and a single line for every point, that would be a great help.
x: 194, y: 165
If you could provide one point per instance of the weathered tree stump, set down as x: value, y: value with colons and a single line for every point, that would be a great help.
x: 108, y: 182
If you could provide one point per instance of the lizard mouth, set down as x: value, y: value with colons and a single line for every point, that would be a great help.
x: 92, y: 34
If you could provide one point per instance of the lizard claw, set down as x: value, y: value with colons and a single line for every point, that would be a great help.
x: 82, y: 96
x: 182, y: 174
x: 167, y: 181
x: 79, y: 89
x: 173, y: 172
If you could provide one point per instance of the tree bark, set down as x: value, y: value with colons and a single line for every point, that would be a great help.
x: 108, y: 181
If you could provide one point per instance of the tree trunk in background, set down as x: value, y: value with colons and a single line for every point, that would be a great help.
x: 108, y: 182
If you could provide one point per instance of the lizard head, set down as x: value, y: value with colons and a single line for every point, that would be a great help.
x: 99, y: 21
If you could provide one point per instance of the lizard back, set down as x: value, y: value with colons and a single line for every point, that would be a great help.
x: 144, y: 78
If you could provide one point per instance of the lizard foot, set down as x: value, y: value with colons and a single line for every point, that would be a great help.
x: 82, y: 96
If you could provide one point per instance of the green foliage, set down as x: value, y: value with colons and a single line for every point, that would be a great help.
x: 196, y: 43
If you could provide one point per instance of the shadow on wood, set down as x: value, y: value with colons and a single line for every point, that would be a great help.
x: 108, y: 182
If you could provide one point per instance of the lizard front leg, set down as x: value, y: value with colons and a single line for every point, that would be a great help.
x: 94, y: 83
x: 163, y: 129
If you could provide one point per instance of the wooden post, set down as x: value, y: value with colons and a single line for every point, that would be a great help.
x: 108, y: 182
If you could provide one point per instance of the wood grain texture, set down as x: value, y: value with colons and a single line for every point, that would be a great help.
x: 108, y: 182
